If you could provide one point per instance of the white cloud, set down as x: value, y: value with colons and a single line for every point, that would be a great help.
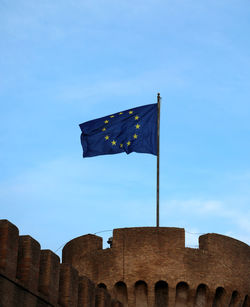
x: 210, y: 215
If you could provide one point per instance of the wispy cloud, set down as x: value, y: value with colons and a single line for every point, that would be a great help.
x: 212, y: 213
x: 155, y: 79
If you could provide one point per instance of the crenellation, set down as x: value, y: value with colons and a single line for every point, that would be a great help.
x: 80, y: 246
x: 86, y: 292
x: 49, y: 275
x: 150, y: 255
x: 163, y: 238
x: 28, y: 262
x: 68, y: 286
x: 9, y: 236
x: 145, y: 267
x: 31, y: 277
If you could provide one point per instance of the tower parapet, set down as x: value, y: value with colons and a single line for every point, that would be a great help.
x: 151, y: 267
x: 31, y: 277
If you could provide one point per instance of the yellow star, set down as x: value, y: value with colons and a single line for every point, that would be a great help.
x: 112, y: 116
x: 128, y: 143
x: 113, y: 142
x: 130, y: 112
x: 136, y: 117
x: 135, y: 136
x: 106, y: 137
x: 104, y: 129
x: 120, y: 113
x: 137, y: 126
x: 106, y: 121
x: 121, y: 145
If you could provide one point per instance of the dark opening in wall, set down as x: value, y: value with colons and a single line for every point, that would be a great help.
x: 101, y: 285
x: 181, y: 294
x: 246, y: 301
x: 201, y: 296
x: 141, y: 294
x: 161, y: 294
x: 234, y: 299
x: 219, y: 297
x: 121, y: 293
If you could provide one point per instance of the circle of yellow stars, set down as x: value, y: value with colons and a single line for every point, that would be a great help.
x: 135, y: 136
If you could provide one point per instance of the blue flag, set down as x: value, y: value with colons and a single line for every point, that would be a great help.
x: 126, y: 131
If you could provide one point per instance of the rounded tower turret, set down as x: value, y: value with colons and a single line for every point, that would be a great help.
x: 151, y: 267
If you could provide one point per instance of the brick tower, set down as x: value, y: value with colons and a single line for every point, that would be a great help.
x: 144, y: 267
x: 151, y: 267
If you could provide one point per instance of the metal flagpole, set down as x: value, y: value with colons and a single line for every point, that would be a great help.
x: 158, y: 160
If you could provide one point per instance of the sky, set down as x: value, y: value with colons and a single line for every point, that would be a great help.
x: 66, y: 62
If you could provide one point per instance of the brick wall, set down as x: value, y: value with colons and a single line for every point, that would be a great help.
x: 31, y: 277
x: 151, y: 267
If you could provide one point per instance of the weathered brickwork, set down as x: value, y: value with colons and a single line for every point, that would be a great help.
x: 31, y: 277
x: 150, y: 267
x: 145, y: 267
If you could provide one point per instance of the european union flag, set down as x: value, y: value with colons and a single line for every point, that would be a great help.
x: 126, y: 131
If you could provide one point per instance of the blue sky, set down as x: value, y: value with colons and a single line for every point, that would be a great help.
x: 66, y: 62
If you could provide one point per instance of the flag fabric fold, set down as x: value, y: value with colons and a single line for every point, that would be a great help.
x: 133, y: 130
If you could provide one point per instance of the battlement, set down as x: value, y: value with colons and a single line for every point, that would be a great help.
x: 145, y: 267
x: 141, y: 258
x: 33, y: 277
x: 164, y: 238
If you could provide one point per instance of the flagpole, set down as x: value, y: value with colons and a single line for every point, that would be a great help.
x: 158, y: 161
